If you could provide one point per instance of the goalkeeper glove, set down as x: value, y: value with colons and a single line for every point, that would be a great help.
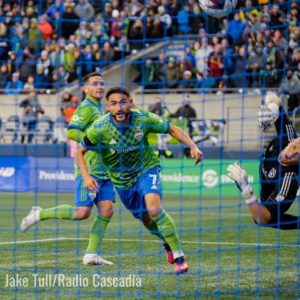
x: 238, y: 174
x: 268, y: 115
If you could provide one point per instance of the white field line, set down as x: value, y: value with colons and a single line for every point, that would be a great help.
x: 142, y: 240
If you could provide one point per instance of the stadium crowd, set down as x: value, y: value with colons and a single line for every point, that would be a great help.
x: 46, y: 44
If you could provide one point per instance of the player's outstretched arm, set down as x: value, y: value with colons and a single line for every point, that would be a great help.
x: 89, y: 182
x: 290, y: 155
x: 182, y: 137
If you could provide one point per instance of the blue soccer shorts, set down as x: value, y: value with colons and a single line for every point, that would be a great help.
x: 134, y: 197
x: 85, y: 197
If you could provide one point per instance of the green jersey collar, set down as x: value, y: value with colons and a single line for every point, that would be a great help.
x: 93, y: 101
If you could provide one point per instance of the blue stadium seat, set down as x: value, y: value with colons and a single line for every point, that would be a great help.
x: 44, y: 130
x: 11, y: 129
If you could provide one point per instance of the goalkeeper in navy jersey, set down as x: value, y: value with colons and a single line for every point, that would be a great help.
x: 279, y: 170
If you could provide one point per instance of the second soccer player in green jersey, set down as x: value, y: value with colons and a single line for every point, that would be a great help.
x: 88, y: 111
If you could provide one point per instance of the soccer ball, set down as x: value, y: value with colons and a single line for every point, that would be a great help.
x: 217, y: 8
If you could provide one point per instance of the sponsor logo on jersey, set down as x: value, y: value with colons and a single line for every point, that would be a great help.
x: 76, y: 118
x: 139, y: 134
x: 272, y: 173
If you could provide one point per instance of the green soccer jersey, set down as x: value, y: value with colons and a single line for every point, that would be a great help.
x: 87, y: 112
x: 125, y: 149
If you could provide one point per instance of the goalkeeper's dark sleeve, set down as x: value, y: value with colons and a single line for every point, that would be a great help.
x: 284, y: 127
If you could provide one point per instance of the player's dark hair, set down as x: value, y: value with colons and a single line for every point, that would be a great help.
x: 86, y: 78
x: 117, y: 90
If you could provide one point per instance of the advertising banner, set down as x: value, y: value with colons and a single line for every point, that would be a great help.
x: 178, y: 176
x: 14, y: 174
x: 209, y: 178
x: 52, y: 175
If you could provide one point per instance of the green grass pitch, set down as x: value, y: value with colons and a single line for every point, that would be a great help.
x: 229, y: 256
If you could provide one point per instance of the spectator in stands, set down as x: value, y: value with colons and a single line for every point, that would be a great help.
x: 279, y: 40
x: 88, y: 65
x: 12, y: 63
x: 149, y: 75
x: 35, y: 37
x: 29, y: 85
x: 160, y: 108
x: 84, y: 10
x: 107, y: 14
x: 27, y: 64
x: 107, y: 54
x: 31, y: 10
x: 240, y: 68
x: 165, y: 20
x: 160, y: 70
x: 45, y: 27
x: 205, y: 82
x: 70, y: 20
x: 56, y: 81
x: 276, y: 17
x: 189, y: 56
x: 275, y: 56
x: 295, y: 59
x: 188, y: 80
x: 115, y: 27
x: 42, y: 80
x: 187, y: 112
x: 255, y: 66
x: 15, y: 86
x: 56, y: 7
x: 84, y: 32
x: 69, y: 109
x: 4, y: 76
x: 183, y: 19
x: 202, y: 54
x: 172, y: 73
x: 31, y: 111
x: 294, y: 15
x: 136, y: 33
x: 271, y: 75
x: 197, y: 20
x: 215, y: 64
x: 291, y: 86
x: 69, y: 58
x: 236, y: 28
x: 44, y: 60
x: 156, y: 31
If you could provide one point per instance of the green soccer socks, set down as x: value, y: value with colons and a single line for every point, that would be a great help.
x: 58, y: 212
x: 97, y: 233
x: 167, y: 230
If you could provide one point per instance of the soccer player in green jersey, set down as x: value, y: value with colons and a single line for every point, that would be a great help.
x: 121, y: 138
x: 103, y: 197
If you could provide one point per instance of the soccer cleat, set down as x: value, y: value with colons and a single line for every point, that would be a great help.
x: 181, y: 268
x: 32, y: 218
x: 91, y: 259
x: 169, y: 254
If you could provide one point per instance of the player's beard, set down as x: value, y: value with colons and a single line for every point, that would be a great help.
x: 121, y: 116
